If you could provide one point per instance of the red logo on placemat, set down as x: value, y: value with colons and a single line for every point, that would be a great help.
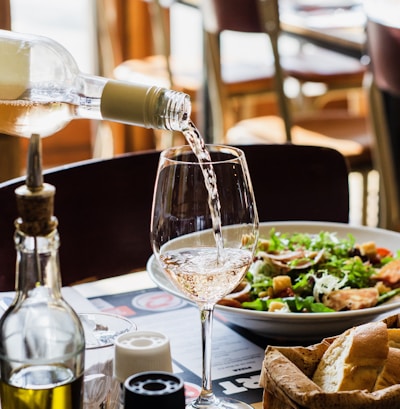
x: 157, y: 301
x: 123, y: 310
x: 192, y: 391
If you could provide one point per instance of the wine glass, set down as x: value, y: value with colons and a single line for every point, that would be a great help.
x: 204, y: 228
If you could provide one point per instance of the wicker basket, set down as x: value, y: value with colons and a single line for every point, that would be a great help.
x: 286, y: 379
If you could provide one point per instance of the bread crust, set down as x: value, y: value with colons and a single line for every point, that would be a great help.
x: 354, y: 360
x: 390, y: 374
x: 287, y: 379
x: 394, y: 337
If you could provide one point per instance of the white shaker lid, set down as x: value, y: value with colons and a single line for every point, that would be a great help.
x: 141, y: 351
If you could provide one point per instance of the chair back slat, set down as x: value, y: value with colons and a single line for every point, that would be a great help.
x: 384, y: 51
x: 252, y: 16
x: 234, y: 15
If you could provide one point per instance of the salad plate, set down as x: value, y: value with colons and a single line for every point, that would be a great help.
x: 301, y: 327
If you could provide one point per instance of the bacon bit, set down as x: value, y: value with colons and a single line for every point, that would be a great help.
x: 230, y: 303
x: 287, y: 292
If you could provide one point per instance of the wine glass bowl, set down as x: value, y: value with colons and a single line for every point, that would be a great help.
x: 204, y: 229
x: 199, y: 273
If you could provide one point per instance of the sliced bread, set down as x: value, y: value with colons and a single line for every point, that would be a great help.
x: 354, y: 360
x: 390, y: 374
x: 394, y: 337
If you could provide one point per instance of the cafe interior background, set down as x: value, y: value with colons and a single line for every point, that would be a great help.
x: 102, y: 34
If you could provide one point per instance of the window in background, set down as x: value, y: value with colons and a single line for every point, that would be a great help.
x: 186, y: 34
x: 71, y: 23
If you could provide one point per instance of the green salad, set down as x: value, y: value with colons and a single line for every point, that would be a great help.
x: 301, y: 272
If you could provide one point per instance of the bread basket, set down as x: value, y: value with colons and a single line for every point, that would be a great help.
x: 286, y: 378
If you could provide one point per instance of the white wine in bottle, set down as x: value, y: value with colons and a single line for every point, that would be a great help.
x: 42, y: 90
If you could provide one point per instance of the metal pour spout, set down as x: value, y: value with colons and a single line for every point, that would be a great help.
x: 34, y: 176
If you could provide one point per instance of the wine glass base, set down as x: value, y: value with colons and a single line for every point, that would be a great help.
x: 221, y: 403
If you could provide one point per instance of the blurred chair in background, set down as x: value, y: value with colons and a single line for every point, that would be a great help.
x: 383, y: 46
x: 221, y: 16
x: 336, y: 129
x: 326, y: 78
x: 340, y: 77
x: 161, y: 68
x: 123, y: 33
x: 249, y: 81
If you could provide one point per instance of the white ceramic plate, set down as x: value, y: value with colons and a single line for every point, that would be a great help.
x: 308, y: 326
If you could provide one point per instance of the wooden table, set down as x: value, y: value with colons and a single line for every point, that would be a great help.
x: 343, y: 32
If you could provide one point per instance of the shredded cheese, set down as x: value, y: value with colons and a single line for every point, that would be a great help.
x: 326, y: 284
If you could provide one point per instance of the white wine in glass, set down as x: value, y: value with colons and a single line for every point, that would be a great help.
x: 204, y: 229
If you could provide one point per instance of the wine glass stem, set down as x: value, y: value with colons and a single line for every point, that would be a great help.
x: 206, y: 396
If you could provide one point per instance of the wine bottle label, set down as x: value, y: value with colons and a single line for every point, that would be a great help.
x: 14, y: 74
x: 125, y: 102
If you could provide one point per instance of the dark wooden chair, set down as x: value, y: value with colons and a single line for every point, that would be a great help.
x: 248, y: 17
x: 337, y: 129
x: 383, y: 46
x: 297, y: 182
x: 104, y: 206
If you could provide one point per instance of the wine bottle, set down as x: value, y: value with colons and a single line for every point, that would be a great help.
x: 42, y: 90
x: 42, y: 345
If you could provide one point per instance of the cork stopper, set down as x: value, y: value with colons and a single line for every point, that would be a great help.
x: 35, y: 199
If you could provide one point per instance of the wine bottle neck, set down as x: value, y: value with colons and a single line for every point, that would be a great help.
x: 130, y: 103
x: 143, y: 105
